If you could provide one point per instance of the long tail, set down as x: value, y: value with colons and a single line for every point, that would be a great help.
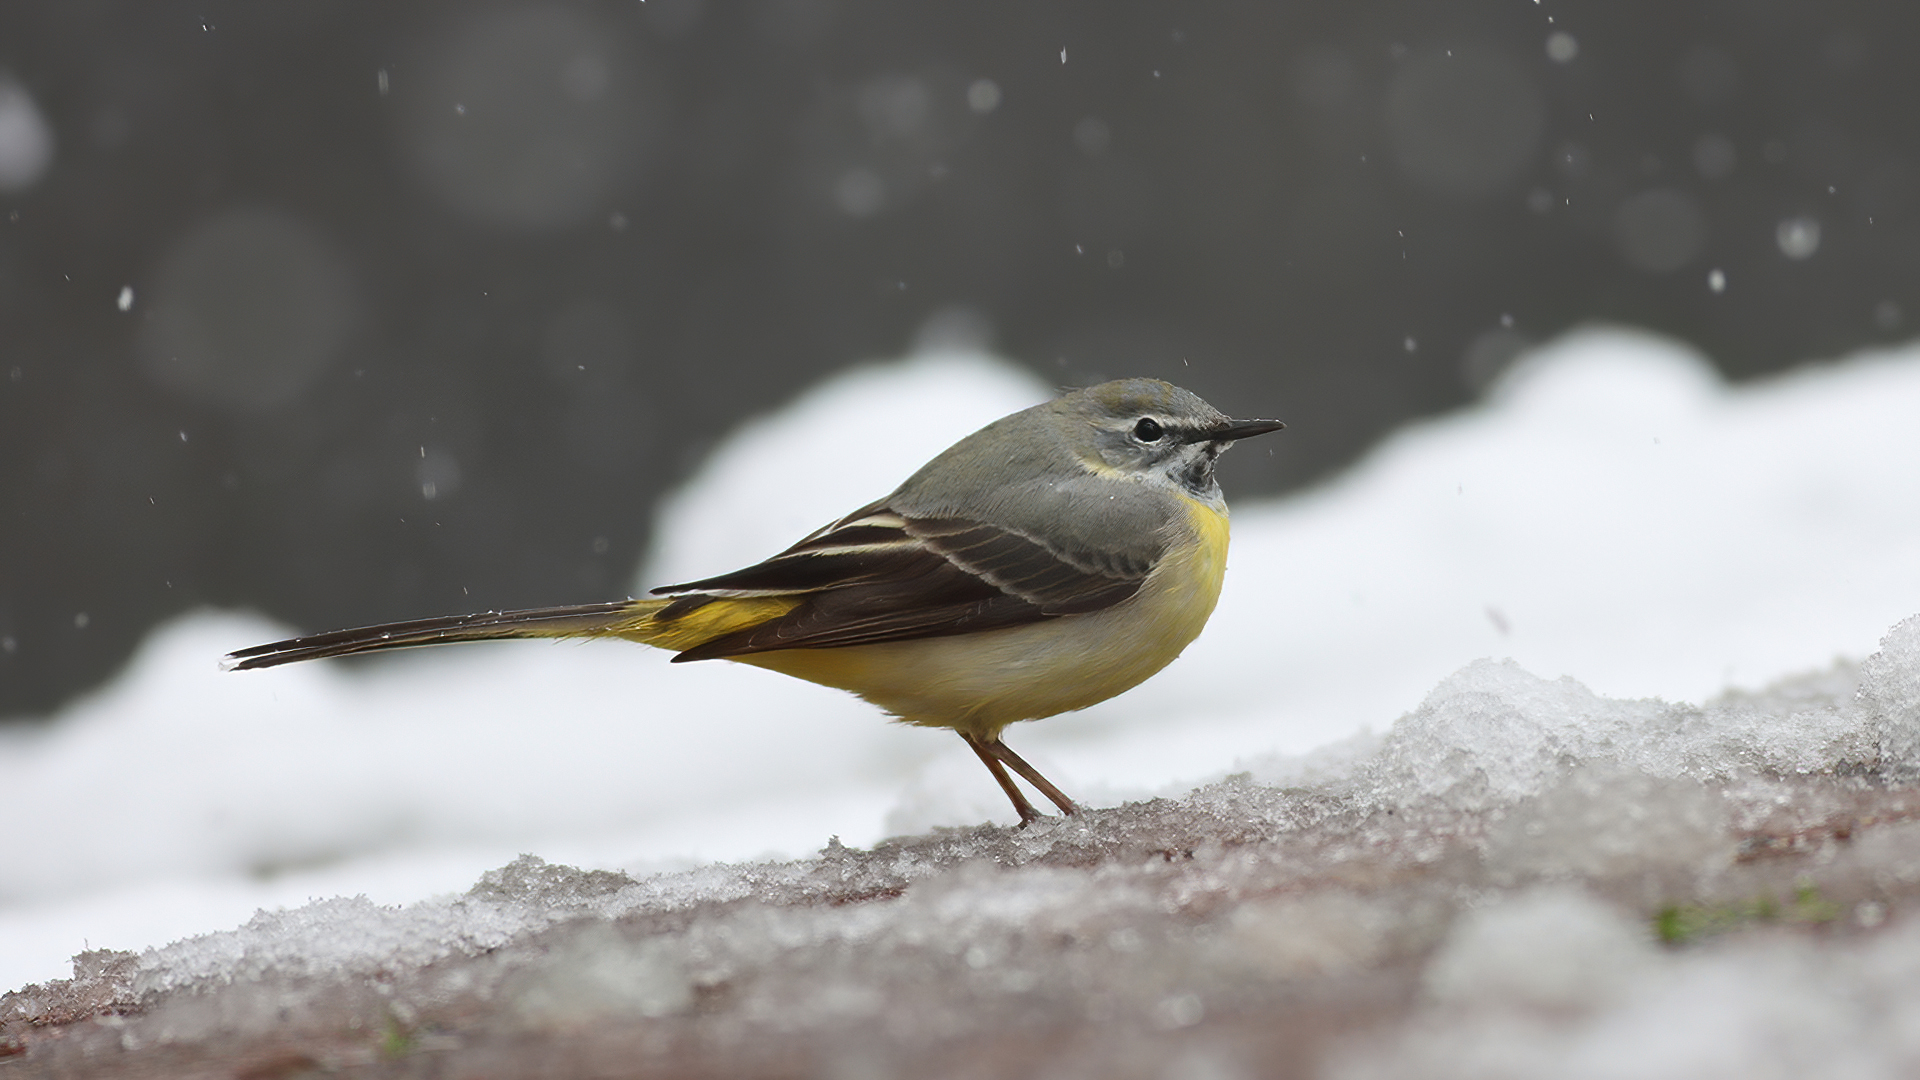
x: 676, y: 623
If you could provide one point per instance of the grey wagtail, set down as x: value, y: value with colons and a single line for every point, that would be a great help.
x: 1048, y: 561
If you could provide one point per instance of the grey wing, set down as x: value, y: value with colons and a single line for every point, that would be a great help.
x: 880, y: 576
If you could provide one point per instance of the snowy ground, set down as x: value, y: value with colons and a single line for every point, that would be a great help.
x: 1477, y: 886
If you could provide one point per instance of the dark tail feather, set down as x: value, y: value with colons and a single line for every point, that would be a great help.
x: 576, y: 620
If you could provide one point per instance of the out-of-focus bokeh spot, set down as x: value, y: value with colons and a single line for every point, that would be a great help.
x: 877, y: 146
x: 26, y: 142
x: 1798, y: 237
x: 248, y: 308
x: 1714, y: 155
x: 526, y: 118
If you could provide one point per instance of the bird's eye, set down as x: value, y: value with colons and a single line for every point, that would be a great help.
x: 1148, y: 430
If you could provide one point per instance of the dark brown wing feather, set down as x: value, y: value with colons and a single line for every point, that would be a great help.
x: 876, y: 576
x: 1061, y: 583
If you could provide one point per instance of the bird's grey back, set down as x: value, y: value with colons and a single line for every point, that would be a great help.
x: 1026, y: 473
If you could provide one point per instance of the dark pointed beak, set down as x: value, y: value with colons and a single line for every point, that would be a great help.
x: 1233, y: 430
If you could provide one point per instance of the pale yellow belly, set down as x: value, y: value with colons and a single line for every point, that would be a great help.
x: 979, y: 683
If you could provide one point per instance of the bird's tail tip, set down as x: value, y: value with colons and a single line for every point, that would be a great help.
x: 580, y: 620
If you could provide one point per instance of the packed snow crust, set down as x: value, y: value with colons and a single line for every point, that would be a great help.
x: 1480, y: 892
x: 1524, y: 875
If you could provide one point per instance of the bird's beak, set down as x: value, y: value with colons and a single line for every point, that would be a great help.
x: 1232, y: 430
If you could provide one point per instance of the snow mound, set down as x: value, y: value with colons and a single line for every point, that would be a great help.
x: 1520, y: 878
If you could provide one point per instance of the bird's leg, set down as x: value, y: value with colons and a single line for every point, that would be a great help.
x: 1020, y: 804
x: 1005, y: 753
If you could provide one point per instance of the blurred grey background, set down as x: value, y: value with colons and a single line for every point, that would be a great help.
x: 361, y: 310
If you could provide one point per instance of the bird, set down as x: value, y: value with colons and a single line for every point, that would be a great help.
x: 1055, y: 558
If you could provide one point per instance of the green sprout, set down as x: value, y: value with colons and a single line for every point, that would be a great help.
x: 1679, y: 924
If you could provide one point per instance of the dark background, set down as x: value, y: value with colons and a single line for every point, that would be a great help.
x: 430, y: 301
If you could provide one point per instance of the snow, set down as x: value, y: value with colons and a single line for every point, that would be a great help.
x: 1647, y: 641
x: 1489, y: 912
x: 1770, y: 1008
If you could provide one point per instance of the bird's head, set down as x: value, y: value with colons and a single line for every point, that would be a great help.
x: 1153, y: 431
